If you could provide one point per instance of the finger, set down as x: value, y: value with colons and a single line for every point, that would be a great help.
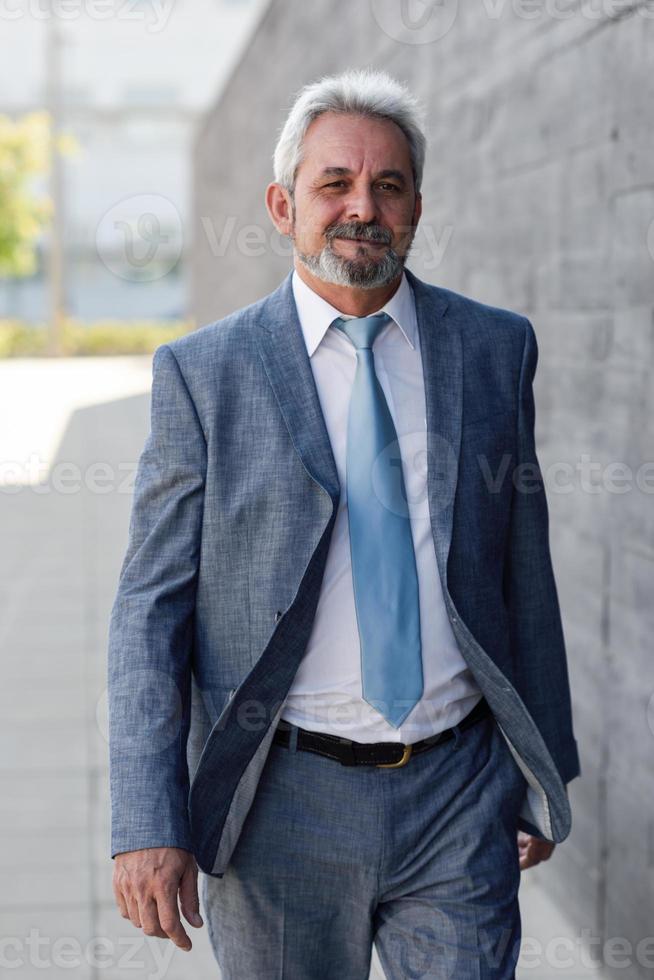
x: 133, y: 909
x: 120, y: 900
x: 529, y: 858
x: 188, y: 895
x: 150, y: 918
x: 169, y: 917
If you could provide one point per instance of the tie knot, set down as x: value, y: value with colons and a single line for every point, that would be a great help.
x: 362, y: 330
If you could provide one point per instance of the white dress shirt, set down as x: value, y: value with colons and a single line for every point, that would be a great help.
x: 326, y: 693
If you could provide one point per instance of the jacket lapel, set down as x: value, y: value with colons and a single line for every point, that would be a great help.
x: 287, y: 365
x: 442, y: 365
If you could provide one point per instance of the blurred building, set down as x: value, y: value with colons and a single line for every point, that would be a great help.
x: 539, y: 197
x: 132, y: 80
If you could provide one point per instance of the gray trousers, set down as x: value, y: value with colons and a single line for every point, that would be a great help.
x: 421, y: 860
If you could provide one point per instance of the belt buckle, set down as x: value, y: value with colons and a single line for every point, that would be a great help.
x: 406, y: 755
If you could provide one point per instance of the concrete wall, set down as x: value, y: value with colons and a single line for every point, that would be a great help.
x: 539, y: 196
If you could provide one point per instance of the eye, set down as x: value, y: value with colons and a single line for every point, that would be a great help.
x: 393, y: 187
x: 335, y: 183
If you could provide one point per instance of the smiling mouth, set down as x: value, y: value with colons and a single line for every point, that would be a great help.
x: 362, y: 241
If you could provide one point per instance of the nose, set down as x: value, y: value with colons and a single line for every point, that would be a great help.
x: 360, y: 205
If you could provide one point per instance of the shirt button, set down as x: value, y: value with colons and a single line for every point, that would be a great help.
x: 278, y: 615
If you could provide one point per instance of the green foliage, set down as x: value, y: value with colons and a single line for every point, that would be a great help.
x: 99, y: 338
x: 25, y: 147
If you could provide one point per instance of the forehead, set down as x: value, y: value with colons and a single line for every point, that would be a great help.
x: 354, y: 141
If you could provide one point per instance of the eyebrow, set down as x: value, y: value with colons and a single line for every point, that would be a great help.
x: 344, y: 171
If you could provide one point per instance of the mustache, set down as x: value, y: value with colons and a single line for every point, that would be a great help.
x: 370, y: 233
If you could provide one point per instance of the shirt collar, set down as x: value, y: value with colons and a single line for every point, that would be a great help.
x: 316, y: 314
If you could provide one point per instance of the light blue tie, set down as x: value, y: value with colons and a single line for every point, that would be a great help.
x: 381, y: 545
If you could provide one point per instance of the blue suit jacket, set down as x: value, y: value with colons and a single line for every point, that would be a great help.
x: 235, y: 499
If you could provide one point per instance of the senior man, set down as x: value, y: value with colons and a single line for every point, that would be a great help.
x: 338, y: 591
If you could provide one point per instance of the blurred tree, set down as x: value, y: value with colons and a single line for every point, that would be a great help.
x: 26, y: 146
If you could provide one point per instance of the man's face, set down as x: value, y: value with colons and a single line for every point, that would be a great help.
x: 355, y: 210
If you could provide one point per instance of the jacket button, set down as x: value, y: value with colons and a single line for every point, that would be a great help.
x: 278, y: 615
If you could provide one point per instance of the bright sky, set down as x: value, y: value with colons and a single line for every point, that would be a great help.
x: 185, y: 47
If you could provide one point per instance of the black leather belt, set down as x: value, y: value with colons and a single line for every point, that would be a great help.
x: 388, y: 755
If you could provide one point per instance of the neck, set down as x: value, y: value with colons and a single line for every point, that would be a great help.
x: 349, y: 299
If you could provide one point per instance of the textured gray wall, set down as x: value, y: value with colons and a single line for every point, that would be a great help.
x: 539, y: 192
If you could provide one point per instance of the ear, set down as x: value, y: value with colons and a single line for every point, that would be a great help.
x: 417, y: 210
x: 279, y: 206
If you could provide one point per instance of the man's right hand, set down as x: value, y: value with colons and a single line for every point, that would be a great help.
x: 146, y: 884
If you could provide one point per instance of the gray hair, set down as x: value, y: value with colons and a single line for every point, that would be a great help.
x: 364, y: 92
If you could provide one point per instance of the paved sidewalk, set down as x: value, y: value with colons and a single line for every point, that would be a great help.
x: 62, y: 548
x: 38, y: 396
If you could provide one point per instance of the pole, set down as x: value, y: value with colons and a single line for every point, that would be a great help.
x: 55, y: 255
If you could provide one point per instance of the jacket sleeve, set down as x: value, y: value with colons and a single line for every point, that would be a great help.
x: 537, y: 642
x: 151, y: 625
